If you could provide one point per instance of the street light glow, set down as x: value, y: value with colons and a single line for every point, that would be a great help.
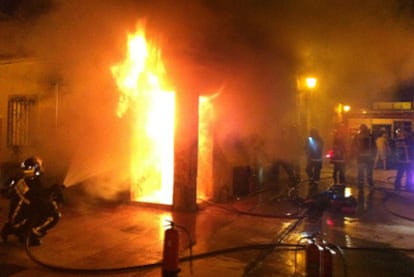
x: 311, y: 82
x: 347, y: 108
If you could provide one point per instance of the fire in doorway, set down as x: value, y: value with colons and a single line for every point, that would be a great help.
x: 150, y: 103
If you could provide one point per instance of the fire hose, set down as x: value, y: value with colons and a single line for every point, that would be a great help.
x: 268, y: 247
x: 249, y: 213
x: 161, y: 264
x: 58, y: 268
x: 387, y: 207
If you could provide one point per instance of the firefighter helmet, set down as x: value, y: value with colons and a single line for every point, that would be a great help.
x: 32, y: 167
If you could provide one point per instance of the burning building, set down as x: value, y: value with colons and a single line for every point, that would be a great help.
x: 219, y: 76
x: 142, y: 121
x: 157, y: 130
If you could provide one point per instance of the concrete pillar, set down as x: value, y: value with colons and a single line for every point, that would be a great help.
x: 185, y: 151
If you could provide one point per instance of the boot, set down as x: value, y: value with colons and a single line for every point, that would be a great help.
x: 34, y: 240
x: 6, y: 231
x: 21, y: 235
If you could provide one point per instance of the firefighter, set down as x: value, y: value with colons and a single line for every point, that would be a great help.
x: 314, y: 157
x: 338, y: 156
x: 363, y: 151
x: 33, y: 208
x: 405, y: 155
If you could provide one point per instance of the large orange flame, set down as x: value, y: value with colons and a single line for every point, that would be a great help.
x: 141, y: 81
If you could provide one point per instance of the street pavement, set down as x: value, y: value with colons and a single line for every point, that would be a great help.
x: 263, y: 233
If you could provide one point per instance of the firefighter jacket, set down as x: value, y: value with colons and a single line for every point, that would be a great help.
x: 363, y: 147
x: 25, y: 198
x: 338, y: 151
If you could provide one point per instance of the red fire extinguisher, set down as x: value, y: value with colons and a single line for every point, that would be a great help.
x: 313, y: 259
x: 170, y: 254
x: 327, y: 261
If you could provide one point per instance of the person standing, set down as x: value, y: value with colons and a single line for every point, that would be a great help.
x: 314, y: 157
x: 382, y: 150
x: 338, y: 156
x: 363, y: 149
x: 405, y: 157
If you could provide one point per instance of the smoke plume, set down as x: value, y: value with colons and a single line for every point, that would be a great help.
x: 249, y: 51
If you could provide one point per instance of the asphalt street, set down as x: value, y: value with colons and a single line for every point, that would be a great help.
x: 263, y: 233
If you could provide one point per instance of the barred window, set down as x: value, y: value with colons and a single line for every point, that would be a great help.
x: 19, y: 116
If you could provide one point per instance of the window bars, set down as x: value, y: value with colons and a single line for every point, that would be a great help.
x: 19, y: 119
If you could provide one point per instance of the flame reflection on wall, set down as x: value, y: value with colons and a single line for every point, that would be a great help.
x: 205, y: 148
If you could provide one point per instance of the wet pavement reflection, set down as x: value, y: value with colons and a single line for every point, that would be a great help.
x: 264, y: 233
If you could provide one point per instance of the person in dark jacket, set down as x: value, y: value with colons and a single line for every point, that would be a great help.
x: 363, y: 151
x: 405, y: 159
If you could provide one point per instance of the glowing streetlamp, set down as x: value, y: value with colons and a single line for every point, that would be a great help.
x: 347, y: 108
x: 306, y: 85
x: 311, y: 82
x: 340, y: 110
